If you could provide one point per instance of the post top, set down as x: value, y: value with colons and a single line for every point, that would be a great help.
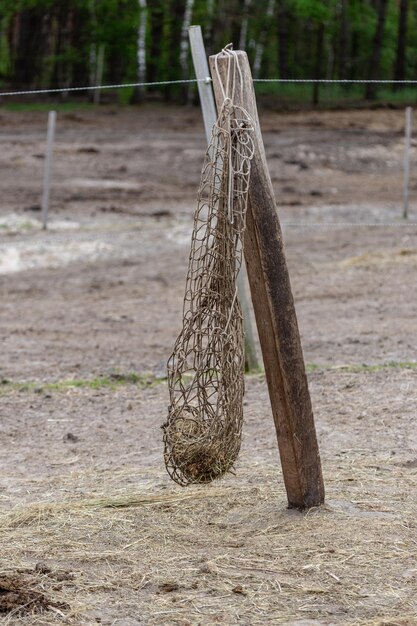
x: 225, y: 53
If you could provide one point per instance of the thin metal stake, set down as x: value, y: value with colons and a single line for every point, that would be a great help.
x: 209, y: 110
x: 407, y: 145
x: 48, y: 166
x: 205, y: 91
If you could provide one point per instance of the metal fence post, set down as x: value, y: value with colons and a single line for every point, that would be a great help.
x: 48, y: 167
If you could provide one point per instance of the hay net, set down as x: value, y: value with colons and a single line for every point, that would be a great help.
x: 202, y: 434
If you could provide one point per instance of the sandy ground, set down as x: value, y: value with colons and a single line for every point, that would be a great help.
x: 90, y: 311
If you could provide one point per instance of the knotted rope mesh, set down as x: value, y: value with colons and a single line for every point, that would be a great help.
x: 202, y: 435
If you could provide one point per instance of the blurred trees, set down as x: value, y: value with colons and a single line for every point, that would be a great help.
x: 400, y: 59
x: 51, y: 43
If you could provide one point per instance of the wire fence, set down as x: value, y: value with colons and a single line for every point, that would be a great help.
x: 165, y: 83
x: 162, y: 83
x: 336, y: 81
x: 207, y: 80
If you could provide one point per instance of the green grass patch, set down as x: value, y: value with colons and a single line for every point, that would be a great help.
x: 333, y: 94
x: 147, y: 380
x: 112, y: 381
x: 363, y: 367
x: 397, y: 365
x: 356, y: 367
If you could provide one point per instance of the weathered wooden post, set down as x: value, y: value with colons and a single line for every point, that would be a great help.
x: 407, y: 145
x: 48, y: 166
x: 208, y: 107
x: 274, y: 310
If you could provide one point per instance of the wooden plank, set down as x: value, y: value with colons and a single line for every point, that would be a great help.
x: 48, y: 167
x: 209, y: 110
x: 274, y: 311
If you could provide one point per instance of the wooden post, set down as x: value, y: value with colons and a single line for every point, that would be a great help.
x: 407, y: 145
x: 47, y: 167
x: 208, y: 107
x: 275, y: 313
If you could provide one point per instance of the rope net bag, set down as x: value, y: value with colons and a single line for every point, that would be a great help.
x: 202, y: 434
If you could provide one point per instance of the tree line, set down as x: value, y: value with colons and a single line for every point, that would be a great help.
x: 61, y: 44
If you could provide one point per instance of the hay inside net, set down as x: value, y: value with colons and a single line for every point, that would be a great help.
x: 202, y: 435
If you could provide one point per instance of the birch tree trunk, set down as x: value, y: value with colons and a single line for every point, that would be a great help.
x: 343, y: 40
x: 141, y: 51
x: 260, y: 46
x: 376, y: 49
x: 399, y: 69
x: 142, y: 42
x: 184, y: 43
x: 283, y: 40
x: 244, y: 25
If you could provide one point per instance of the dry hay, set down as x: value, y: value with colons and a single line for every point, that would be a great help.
x: 230, y: 553
x: 139, y: 549
x: 382, y: 259
x: 199, y: 455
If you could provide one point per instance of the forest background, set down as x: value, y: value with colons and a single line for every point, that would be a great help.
x: 60, y: 44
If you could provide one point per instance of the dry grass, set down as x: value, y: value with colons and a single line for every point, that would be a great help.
x: 127, y: 546
x: 383, y: 259
x: 227, y: 552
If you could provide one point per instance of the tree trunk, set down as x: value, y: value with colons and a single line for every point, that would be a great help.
x: 353, y: 55
x: 28, y: 47
x: 141, y: 52
x: 158, y: 39
x: 68, y: 69
x: 208, y: 29
x: 399, y: 68
x: 92, y: 49
x: 185, y: 44
x: 184, y: 50
x: 343, y: 41
x: 283, y: 39
x: 260, y: 46
x: 244, y: 25
x: 319, y: 62
x: 376, y: 49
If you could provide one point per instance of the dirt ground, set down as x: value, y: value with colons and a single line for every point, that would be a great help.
x: 92, y: 529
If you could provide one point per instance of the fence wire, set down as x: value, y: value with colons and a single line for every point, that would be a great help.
x: 207, y: 80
